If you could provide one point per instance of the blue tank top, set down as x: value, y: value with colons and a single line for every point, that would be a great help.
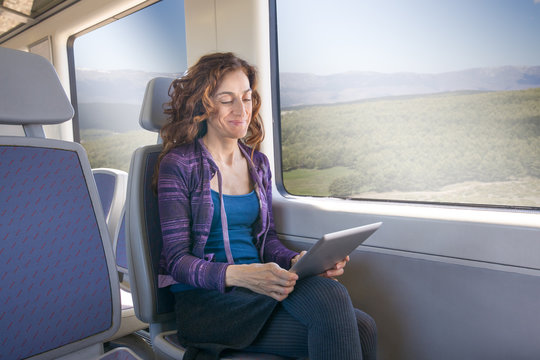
x: 242, y: 212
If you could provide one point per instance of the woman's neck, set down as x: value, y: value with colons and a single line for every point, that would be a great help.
x: 223, y: 151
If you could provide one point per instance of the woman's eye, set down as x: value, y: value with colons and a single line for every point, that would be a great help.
x: 231, y: 101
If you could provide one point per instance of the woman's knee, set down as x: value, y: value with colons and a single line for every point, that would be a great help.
x: 334, y: 290
x: 323, y: 293
x: 367, y: 328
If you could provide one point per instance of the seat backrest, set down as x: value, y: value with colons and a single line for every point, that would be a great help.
x: 152, y: 117
x: 120, y: 244
x: 144, y: 242
x: 59, y: 285
x: 111, y: 185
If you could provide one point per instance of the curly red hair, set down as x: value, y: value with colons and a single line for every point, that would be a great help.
x: 191, y: 101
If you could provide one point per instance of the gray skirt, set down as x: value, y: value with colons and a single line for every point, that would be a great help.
x: 209, y: 321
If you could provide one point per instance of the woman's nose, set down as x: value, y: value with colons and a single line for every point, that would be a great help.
x: 239, y: 107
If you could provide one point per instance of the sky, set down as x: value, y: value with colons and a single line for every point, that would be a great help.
x: 128, y: 44
x: 423, y: 36
x: 326, y: 37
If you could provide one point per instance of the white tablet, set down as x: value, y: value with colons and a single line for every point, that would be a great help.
x: 333, y: 247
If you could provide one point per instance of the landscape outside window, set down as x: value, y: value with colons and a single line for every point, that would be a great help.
x: 429, y: 101
x: 111, y: 85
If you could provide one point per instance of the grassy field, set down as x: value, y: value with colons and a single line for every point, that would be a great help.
x: 462, y: 147
x: 523, y: 192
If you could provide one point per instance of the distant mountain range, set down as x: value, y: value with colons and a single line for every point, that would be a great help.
x: 114, y: 86
x: 304, y: 89
x: 119, y: 93
x: 111, y: 100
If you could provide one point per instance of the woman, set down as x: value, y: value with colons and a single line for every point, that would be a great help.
x: 221, y: 256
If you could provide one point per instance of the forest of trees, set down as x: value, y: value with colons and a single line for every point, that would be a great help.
x: 414, y: 143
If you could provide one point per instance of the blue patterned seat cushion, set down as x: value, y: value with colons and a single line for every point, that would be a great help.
x: 54, y: 283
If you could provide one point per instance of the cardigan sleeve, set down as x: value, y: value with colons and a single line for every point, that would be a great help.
x: 175, y: 210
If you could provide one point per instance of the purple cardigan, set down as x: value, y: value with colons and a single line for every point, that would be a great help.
x: 186, y: 209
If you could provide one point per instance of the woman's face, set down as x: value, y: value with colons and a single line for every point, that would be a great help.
x: 233, y: 105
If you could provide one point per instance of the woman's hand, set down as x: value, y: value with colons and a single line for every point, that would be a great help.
x: 267, y: 279
x: 332, y: 273
x: 337, y: 270
x: 295, y: 259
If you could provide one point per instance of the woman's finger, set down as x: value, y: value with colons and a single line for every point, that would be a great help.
x: 283, y: 276
x: 342, y: 263
x: 334, y: 273
x: 337, y: 270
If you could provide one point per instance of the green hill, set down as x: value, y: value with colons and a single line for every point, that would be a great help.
x: 414, y: 143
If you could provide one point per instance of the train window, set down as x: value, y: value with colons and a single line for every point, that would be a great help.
x: 113, y: 64
x: 416, y: 101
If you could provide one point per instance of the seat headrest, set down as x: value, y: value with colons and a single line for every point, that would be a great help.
x: 152, y: 117
x: 30, y: 91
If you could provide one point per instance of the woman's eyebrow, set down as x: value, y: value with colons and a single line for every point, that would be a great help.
x: 232, y: 93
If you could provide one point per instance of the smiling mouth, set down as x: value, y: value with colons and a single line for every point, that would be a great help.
x: 237, y: 122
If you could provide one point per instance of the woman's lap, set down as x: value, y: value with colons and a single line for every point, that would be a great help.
x: 210, y: 317
x: 318, y: 317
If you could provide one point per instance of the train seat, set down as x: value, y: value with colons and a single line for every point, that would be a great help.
x: 59, y: 286
x: 111, y: 185
x: 144, y: 243
x: 119, y: 245
x: 130, y: 322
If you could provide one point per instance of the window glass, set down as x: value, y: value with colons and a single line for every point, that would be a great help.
x: 417, y: 100
x: 113, y: 64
